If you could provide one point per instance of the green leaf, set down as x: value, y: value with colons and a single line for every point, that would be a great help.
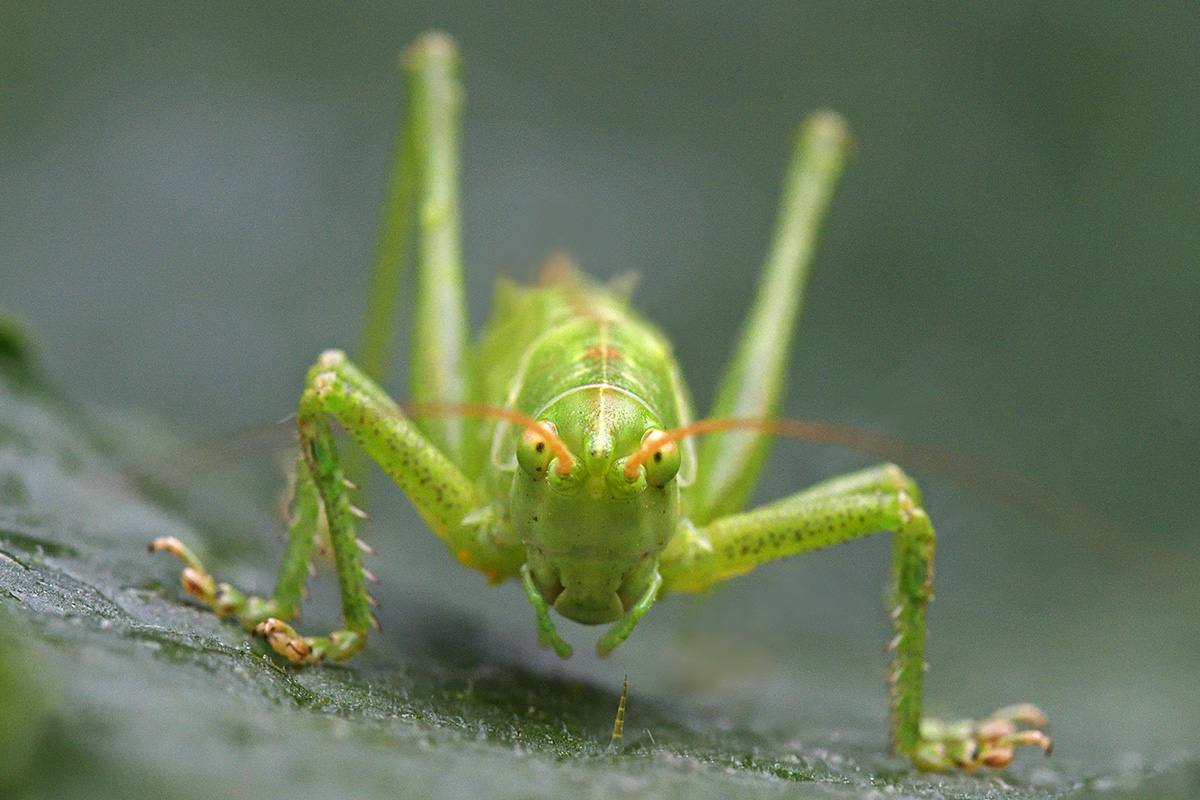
x: 113, y: 685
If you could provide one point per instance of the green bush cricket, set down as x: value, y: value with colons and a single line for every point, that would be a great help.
x: 558, y: 448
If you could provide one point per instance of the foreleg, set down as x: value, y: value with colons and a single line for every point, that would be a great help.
x: 250, y: 611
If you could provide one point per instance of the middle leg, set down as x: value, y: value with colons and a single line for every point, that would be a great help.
x: 845, y: 508
x: 443, y: 496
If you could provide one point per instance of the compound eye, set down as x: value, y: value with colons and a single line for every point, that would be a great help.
x: 663, y: 463
x: 533, y: 451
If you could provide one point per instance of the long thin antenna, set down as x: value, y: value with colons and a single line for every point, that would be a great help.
x: 566, y: 461
x: 1050, y: 509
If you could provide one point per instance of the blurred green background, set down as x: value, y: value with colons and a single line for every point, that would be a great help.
x: 189, y: 196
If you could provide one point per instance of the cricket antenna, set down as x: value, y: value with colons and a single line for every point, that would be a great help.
x: 816, y: 431
x: 566, y: 461
x: 1049, y: 509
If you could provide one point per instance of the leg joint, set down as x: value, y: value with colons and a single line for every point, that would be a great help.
x: 903, y: 483
x: 330, y: 360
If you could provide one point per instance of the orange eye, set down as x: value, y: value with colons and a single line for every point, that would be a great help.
x: 534, y: 452
x: 663, y: 463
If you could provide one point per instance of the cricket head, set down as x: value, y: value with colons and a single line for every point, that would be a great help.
x: 592, y: 523
x: 599, y: 442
